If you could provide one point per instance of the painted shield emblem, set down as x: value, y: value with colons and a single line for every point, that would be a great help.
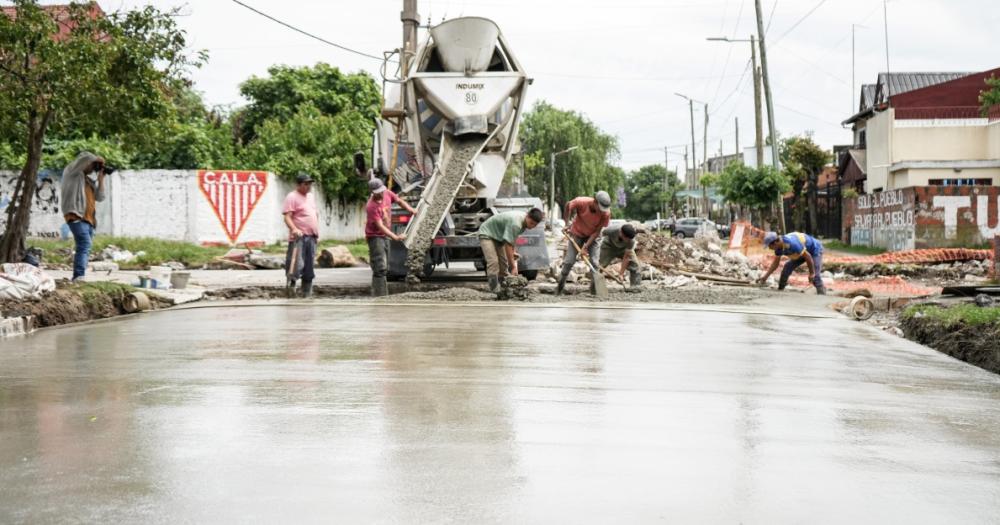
x: 233, y: 196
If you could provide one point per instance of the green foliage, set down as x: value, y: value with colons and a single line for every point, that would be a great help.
x: 314, y: 143
x: 646, y: 193
x: 312, y: 120
x: 545, y: 130
x: 990, y: 96
x: 56, y: 154
x: 280, y: 96
x: 754, y: 188
x: 963, y: 314
x: 11, y: 158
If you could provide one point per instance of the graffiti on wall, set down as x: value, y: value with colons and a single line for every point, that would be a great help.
x: 46, y: 220
x: 884, y: 219
x: 233, y: 195
x: 925, y: 217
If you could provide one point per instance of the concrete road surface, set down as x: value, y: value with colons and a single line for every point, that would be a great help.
x: 341, y: 413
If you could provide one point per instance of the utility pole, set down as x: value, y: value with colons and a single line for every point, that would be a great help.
x: 666, y: 177
x: 704, y: 166
x: 411, y: 20
x: 686, y: 176
x: 770, y: 108
x: 758, y: 117
x: 853, y: 99
x: 692, y: 177
x: 737, y: 124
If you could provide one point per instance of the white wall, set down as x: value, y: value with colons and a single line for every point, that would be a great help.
x: 879, y: 139
x: 169, y: 204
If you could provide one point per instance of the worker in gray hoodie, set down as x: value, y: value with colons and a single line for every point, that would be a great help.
x: 82, y: 189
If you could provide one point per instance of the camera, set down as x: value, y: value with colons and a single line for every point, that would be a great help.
x: 106, y: 168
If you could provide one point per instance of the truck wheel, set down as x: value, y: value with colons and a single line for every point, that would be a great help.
x: 530, y: 275
x: 679, y: 235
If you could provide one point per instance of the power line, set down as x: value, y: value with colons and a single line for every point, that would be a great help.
x: 796, y: 24
x: 308, y: 34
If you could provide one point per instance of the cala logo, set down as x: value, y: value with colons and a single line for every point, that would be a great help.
x: 233, y: 195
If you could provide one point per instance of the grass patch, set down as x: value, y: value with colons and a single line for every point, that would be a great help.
x: 157, y: 251
x: 964, y: 314
x: 93, y: 293
x: 836, y: 244
x: 358, y: 248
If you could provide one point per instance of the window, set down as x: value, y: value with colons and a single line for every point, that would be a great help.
x: 960, y: 182
x: 862, y: 138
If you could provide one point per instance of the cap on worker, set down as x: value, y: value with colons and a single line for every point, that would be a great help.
x: 375, y: 185
x: 769, y: 238
x: 303, y: 178
x: 603, y: 200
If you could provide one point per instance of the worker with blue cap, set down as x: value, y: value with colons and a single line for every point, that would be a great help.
x: 799, y: 248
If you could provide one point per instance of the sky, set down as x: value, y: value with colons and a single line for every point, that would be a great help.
x: 620, y: 62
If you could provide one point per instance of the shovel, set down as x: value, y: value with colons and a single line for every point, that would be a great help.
x: 600, y: 285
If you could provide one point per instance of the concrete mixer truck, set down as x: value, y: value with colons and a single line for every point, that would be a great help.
x: 446, y: 136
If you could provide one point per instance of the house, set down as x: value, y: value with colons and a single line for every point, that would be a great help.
x: 922, y: 129
x: 717, y: 164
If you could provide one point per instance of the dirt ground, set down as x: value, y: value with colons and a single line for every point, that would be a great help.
x: 73, y: 304
x: 977, y: 345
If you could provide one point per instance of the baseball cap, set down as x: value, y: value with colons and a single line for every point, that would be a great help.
x: 769, y: 238
x: 375, y: 185
x: 302, y: 177
x: 603, y: 200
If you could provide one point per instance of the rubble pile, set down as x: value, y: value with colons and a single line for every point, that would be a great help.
x: 704, y: 255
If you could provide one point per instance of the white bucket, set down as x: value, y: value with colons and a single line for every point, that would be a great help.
x: 161, y: 274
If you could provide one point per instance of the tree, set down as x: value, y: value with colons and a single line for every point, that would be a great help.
x: 990, y: 96
x: 545, y: 130
x: 286, y: 89
x: 752, y: 188
x: 73, y: 68
x: 310, y: 142
x: 646, y: 193
x: 312, y: 120
x: 802, y: 161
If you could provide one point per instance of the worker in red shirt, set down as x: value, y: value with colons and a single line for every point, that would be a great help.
x: 586, y: 217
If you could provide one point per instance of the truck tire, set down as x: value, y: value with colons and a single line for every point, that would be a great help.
x: 530, y: 275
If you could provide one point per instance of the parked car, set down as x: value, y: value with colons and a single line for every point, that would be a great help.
x: 662, y: 225
x: 688, y: 226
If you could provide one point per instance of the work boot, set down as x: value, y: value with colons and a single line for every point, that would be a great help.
x: 379, y: 287
x: 493, y: 282
x: 821, y: 290
x: 307, y: 289
x: 634, y: 282
x: 561, y: 287
x: 290, y: 289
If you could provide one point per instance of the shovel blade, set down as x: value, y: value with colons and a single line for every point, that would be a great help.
x: 600, y: 285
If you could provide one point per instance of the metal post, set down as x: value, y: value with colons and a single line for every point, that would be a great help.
x: 666, y: 177
x: 770, y: 107
x: 552, y: 188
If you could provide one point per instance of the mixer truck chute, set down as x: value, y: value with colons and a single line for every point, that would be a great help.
x: 448, y: 131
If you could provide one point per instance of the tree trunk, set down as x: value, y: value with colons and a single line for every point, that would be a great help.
x: 19, y: 209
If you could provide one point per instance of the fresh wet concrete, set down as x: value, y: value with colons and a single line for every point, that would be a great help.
x: 341, y: 412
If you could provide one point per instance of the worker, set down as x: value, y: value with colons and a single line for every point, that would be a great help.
x: 585, y: 217
x: 497, y: 236
x: 618, y: 242
x: 378, y: 233
x: 799, y: 248
x: 389, y: 197
x: 302, y: 219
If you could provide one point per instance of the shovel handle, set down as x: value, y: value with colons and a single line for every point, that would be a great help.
x: 579, y: 253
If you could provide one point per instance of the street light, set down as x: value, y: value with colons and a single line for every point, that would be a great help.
x: 552, y: 182
x: 693, y: 180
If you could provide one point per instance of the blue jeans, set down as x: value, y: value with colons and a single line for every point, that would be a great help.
x: 83, y: 235
x: 791, y: 265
